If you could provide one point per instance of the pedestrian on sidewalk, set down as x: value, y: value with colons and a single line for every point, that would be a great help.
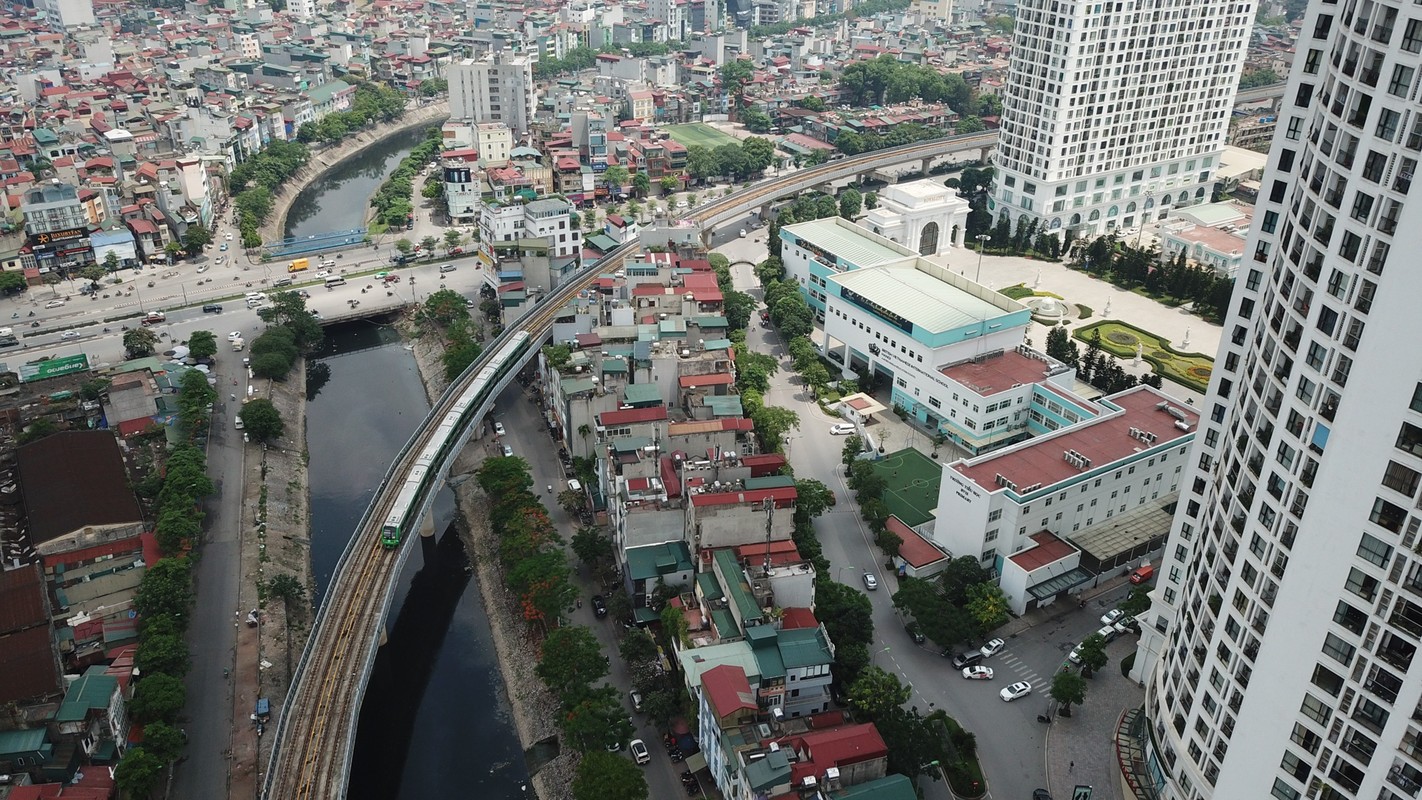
x: 1071, y: 765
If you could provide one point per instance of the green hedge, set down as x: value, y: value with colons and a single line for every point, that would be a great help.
x: 1191, y: 370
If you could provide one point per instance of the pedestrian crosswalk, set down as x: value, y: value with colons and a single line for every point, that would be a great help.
x: 1020, y: 667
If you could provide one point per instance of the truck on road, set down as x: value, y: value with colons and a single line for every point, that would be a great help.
x: 239, y: 344
x: 299, y: 265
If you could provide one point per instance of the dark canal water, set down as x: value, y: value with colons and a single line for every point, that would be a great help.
x: 435, y: 720
x: 338, y: 201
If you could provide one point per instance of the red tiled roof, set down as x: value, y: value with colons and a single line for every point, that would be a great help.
x: 763, y: 464
x: 1049, y: 550
x: 1104, y: 440
x: 914, y: 549
x: 588, y: 339
x: 727, y: 690
x: 837, y: 747
x: 27, y: 662
x: 713, y: 379
x: 798, y: 618
x: 782, y: 497
x: 780, y: 553
x: 630, y: 416
x: 998, y: 374
x: 21, y: 599
x: 670, y: 481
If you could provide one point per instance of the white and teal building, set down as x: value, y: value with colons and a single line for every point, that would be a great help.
x: 954, y: 352
x: 815, y: 250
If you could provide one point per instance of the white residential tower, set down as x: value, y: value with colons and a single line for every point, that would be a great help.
x: 1115, y: 112
x: 1280, y: 651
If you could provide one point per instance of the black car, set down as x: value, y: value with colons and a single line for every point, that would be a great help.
x: 914, y: 632
x: 212, y: 308
x: 1041, y: 794
x: 599, y: 606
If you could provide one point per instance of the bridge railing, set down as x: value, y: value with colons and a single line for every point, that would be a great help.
x: 706, y: 214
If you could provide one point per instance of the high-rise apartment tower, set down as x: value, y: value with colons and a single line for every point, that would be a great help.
x: 1115, y: 112
x: 1279, y: 653
x: 496, y: 88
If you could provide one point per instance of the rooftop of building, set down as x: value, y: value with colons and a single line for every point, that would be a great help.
x: 998, y: 373
x: 1132, y: 421
x: 930, y: 297
x: 1048, y: 550
x: 50, y: 469
x: 917, y: 551
x: 848, y: 241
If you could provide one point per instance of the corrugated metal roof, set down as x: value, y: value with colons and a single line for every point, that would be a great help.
x: 929, y: 303
x: 849, y: 241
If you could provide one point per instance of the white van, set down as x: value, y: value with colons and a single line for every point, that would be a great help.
x: 327, y: 264
x: 237, y: 422
x: 334, y: 281
x: 447, y: 268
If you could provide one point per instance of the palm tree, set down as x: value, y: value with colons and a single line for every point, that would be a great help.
x: 585, y: 430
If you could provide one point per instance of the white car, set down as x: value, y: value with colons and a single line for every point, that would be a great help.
x: 323, y: 274
x: 69, y: 334
x: 508, y: 451
x: 228, y: 237
x: 992, y: 648
x: 204, y: 268
x: 1110, y: 617
x: 54, y: 304
x: 841, y: 429
x: 870, y: 582
x: 639, y: 752
x: 977, y: 673
x: 234, y: 336
x: 1016, y: 690
x: 499, y: 429
x: 743, y: 233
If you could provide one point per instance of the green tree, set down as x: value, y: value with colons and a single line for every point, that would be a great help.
x: 572, y: 659
x: 262, y: 420
x: 853, y: 446
x: 591, y: 545
x: 572, y: 501
x: 428, y: 244
x: 1068, y: 689
x: 138, y: 774
x: 164, y: 741
x: 461, y: 350
x: 166, y: 589
x: 674, y: 625
x: 970, y: 124
x: 756, y: 120
x: 139, y: 342
x: 616, y: 177
x: 669, y: 183
x: 642, y: 184
x: 988, y: 606
x: 404, y: 246
x: 596, y: 720
x: 1092, y: 652
x: 871, y: 201
x: 754, y: 370
x: 1254, y: 78
x: 291, y: 592
x: 196, y: 237
x: 959, y: 576
x: 202, y: 344
x: 446, y: 306
x: 608, y: 776
x: 158, y: 697
x: 288, y: 310
x: 637, y: 646
x: 812, y: 496
x: 772, y: 423
x: 1138, y: 602
x: 850, y: 203
x: 163, y: 654
x: 877, y: 694
x: 452, y: 239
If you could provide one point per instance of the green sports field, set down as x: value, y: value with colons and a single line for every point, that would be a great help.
x: 913, y: 480
x: 699, y: 133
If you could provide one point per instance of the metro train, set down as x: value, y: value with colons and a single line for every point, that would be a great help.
x: 411, y: 496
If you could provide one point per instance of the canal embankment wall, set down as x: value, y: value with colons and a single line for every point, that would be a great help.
x: 326, y: 158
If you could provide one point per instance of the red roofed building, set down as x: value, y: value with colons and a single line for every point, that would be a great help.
x: 728, y: 695
x: 857, y: 751
x: 28, y: 662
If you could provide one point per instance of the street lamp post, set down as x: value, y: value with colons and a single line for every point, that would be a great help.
x: 982, y: 238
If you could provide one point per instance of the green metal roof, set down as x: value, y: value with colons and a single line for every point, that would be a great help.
x: 770, y: 482
x: 654, y: 561
x: 576, y: 385
x: 931, y: 304
x: 738, y: 590
x: 92, y: 690
x: 889, y: 787
x: 766, y: 773
x: 727, y: 405
x: 628, y: 444
x: 710, y: 321
x: 29, y: 740
x: 850, y: 242
x: 718, y: 344
x: 600, y: 241
x: 642, y: 394
x: 710, y: 588
x: 614, y: 366
x: 803, y: 647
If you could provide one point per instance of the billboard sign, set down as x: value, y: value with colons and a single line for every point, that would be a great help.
x: 53, y: 368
